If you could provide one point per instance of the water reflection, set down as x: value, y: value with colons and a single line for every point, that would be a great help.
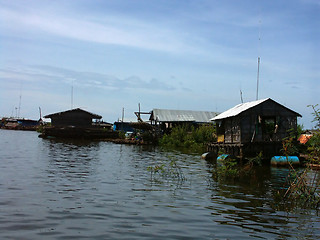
x: 251, y: 203
x: 71, y: 160
x: 99, y: 190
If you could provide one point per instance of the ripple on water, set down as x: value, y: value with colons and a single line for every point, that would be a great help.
x: 99, y: 190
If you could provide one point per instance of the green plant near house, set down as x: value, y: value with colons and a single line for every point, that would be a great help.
x: 313, y: 145
x: 304, y: 185
x: 189, y: 137
x: 122, y: 134
x: 313, y: 148
x: 290, y: 144
x: 255, y: 161
x: 227, y: 166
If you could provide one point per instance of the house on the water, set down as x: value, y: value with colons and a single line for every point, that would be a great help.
x: 166, y: 119
x: 253, y: 127
x: 76, y: 123
x: 74, y: 117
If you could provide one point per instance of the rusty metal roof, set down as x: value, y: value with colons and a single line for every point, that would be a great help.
x: 244, y: 107
x: 304, y: 138
x: 166, y: 115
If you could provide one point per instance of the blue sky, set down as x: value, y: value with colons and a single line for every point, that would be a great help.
x: 189, y: 55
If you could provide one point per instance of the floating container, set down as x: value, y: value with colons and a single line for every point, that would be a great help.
x: 284, y: 160
x: 209, y: 156
x: 223, y: 157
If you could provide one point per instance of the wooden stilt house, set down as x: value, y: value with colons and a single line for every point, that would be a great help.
x: 253, y: 127
x: 77, y: 123
x: 75, y: 117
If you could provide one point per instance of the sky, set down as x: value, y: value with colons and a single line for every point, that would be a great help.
x: 108, y: 55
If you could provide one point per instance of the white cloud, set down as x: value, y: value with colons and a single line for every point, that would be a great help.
x: 130, y: 33
x: 56, y: 76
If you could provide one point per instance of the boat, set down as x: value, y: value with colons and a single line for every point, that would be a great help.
x: 20, y: 124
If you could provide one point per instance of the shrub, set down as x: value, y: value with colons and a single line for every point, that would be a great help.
x: 304, y: 186
x: 189, y: 137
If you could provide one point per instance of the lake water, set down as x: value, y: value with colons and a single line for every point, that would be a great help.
x: 99, y: 190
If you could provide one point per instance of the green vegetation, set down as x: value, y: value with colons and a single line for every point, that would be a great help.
x: 313, y: 145
x: 303, y: 190
x: 304, y: 185
x: 228, y: 167
x: 190, y: 138
x: 290, y: 145
x: 168, y: 170
x: 122, y: 135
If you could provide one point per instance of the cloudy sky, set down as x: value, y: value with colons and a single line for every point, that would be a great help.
x: 173, y: 54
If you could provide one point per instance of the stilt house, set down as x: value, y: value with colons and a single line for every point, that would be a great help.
x: 75, y: 117
x: 253, y: 127
x: 77, y: 124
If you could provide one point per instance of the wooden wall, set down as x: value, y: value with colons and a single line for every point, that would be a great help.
x: 266, y: 122
x: 77, y: 119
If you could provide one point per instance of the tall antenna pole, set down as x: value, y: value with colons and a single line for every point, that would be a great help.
x: 139, y: 114
x: 257, y: 95
x: 72, y: 95
x: 19, y: 106
x: 259, y: 43
x: 122, y: 119
x: 40, y: 113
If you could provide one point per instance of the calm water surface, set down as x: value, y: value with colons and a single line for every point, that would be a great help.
x: 100, y: 190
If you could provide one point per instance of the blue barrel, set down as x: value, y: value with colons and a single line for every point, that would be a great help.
x: 284, y: 160
x: 223, y: 157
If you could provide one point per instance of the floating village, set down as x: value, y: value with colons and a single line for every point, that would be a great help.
x: 243, y: 131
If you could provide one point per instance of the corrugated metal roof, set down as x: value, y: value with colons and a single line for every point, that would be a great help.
x: 165, y: 115
x: 243, y: 107
x: 238, y: 109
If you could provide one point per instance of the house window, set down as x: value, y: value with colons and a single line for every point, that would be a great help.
x: 268, y: 127
x: 220, y: 131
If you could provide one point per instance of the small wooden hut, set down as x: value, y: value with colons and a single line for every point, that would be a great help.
x: 74, y: 117
x: 77, y: 124
x: 253, y: 127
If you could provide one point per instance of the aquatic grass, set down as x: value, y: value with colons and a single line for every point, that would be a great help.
x: 303, y: 190
x: 168, y: 170
x: 230, y: 169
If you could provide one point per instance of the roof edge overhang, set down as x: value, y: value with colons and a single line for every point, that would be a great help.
x: 237, y: 110
x: 94, y: 116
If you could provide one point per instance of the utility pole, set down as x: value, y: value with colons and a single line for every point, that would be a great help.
x: 257, y: 94
x: 72, y: 95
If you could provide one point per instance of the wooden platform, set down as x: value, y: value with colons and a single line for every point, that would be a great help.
x: 246, y: 150
x: 77, y: 132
